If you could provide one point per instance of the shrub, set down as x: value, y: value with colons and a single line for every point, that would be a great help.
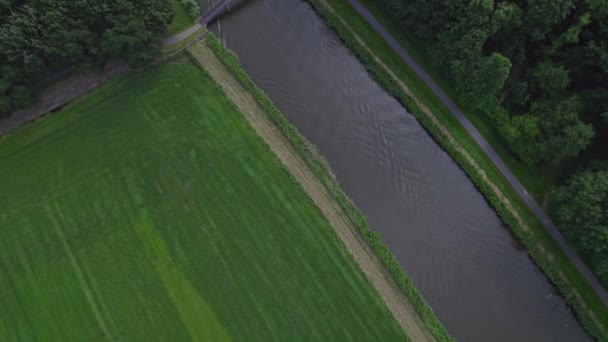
x: 191, y: 7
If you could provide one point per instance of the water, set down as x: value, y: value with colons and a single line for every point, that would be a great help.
x: 479, y: 281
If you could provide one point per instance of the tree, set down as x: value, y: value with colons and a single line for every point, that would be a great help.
x: 551, y: 80
x: 509, y: 38
x: 543, y: 15
x: 482, y: 84
x: 23, y: 42
x: 518, y: 92
x: 128, y: 38
x: 572, y: 35
x: 13, y: 92
x: 562, y: 133
x: 551, y: 132
x: 582, y: 214
x: 192, y: 7
x: 6, y: 6
x: 427, y: 18
x: 520, y: 131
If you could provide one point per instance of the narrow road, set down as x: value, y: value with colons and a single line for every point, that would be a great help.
x: 178, y: 38
x: 500, y: 164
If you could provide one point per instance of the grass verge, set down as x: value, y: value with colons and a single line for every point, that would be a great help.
x: 388, y: 69
x: 322, y: 170
x: 150, y: 210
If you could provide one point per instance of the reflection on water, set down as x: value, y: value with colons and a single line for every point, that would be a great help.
x: 477, y: 278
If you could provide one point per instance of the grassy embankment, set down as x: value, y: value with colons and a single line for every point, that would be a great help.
x: 181, y: 21
x: 150, y: 210
x: 397, y: 78
x: 321, y: 169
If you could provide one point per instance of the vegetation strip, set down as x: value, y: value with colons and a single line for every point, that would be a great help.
x: 592, y: 314
x: 323, y: 173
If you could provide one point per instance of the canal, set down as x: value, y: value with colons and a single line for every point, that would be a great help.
x: 478, y: 279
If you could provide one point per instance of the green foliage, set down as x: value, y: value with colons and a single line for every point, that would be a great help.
x: 316, y: 162
x: 551, y: 132
x: 582, y: 213
x: 191, y: 7
x: 44, y: 35
x: 543, y: 15
x: 572, y: 35
x: 151, y: 211
x: 182, y: 20
x: 480, y: 88
x: 550, y: 79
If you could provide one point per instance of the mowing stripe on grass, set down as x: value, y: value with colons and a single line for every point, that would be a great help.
x: 79, y: 273
x: 199, y: 318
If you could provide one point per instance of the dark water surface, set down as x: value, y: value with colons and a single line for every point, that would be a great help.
x: 479, y: 281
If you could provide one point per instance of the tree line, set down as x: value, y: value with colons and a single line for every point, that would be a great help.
x: 538, y: 70
x: 40, y: 36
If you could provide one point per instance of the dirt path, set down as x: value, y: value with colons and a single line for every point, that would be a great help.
x: 389, y: 291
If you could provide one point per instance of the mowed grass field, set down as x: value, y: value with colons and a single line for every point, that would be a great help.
x: 150, y: 210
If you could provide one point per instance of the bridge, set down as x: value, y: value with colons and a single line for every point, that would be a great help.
x: 221, y: 7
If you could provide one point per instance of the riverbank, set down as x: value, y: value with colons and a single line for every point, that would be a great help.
x: 355, y: 231
x: 388, y: 69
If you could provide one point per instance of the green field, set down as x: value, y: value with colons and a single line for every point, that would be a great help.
x: 150, y: 210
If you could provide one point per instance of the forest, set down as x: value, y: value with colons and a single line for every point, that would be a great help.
x: 39, y: 37
x: 537, y: 70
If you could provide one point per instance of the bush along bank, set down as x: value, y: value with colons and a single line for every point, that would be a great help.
x: 501, y: 201
x: 322, y: 170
